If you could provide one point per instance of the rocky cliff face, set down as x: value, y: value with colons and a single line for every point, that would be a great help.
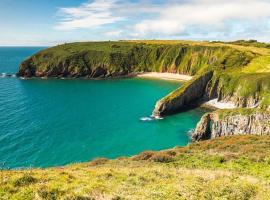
x: 109, y: 59
x: 214, y: 125
x: 218, y: 70
x: 184, y: 96
x: 245, y: 90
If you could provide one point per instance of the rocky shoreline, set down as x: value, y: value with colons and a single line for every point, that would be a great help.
x: 189, y: 93
x: 216, y: 70
x: 213, y: 125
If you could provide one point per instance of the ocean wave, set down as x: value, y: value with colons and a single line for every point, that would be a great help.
x: 7, y: 75
x: 190, y: 133
x: 151, y: 118
x: 145, y: 119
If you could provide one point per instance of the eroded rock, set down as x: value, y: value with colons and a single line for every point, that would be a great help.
x: 213, y: 125
x: 184, y: 96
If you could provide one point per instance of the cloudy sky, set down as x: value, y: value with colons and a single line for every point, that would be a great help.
x: 39, y: 22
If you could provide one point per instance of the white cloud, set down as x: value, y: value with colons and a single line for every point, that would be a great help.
x: 115, y: 33
x: 209, y: 14
x: 88, y: 15
x: 148, y: 19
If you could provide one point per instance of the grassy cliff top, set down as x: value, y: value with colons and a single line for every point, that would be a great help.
x: 226, y: 168
x: 185, y: 57
x: 124, y: 45
x: 241, y: 68
x: 243, y: 46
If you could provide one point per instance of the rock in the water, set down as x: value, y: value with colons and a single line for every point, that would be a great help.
x: 180, y: 98
x: 203, y: 129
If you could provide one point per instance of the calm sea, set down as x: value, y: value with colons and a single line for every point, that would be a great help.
x: 56, y: 122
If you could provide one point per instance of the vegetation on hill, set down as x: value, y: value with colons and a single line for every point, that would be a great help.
x: 241, y: 69
x: 105, y: 59
x: 253, y: 43
x: 246, y: 84
x: 237, y: 72
x: 235, y: 167
x: 226, y: 168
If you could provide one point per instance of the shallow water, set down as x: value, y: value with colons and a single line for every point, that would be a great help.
x: 56, y: 122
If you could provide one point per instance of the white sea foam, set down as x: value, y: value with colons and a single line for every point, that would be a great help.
x: 145, y: 119
x: 5, y: 75
x: 220, y: 105
x: 158, y: 117
x: 190, y: 132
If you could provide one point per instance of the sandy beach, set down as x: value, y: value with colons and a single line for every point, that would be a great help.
x: 166, y: 76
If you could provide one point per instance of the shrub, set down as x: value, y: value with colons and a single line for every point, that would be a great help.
x: 162, y: 157
x: 146, y: 155
x: 221, y: 159
x: 171, y: 153
x: 99, y: 161
x: 49, y: 194
x: 75, y: 197
x: 25, y: 180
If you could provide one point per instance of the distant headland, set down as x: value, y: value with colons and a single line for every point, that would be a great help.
x: 235, y: 75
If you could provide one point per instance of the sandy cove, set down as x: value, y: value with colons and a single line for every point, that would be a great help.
x: 165, y: 76
x: 214, y: 103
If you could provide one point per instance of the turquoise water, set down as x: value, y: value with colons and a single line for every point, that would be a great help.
x: 56, y: 122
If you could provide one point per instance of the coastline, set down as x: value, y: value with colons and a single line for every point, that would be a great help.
x: 165, y: 76
x: 215, y: 104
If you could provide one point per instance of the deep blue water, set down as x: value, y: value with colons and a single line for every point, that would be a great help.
x: 56, y: 122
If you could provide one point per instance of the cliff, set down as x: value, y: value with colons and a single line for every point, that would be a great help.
x: 232, y: 122
x: 181, y: 98
x: 110, y: 59
x: 237, y: 72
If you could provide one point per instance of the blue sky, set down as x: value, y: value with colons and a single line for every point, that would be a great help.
x: 39, y: 22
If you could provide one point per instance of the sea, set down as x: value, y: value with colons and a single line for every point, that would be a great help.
x: 55, y: 122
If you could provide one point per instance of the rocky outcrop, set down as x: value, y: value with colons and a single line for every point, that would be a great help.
x: 245, y: 90
x: 65, y: 69
x: 214, y: 67
x: 203, y: 129
x: 184, y: 96
x: 214, y: 124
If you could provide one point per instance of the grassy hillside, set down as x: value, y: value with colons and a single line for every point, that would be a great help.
x: 241, y: 69
x: 83, y: 59
x: 226, y: 168
x: 246, y: 84
x: 252, y: 43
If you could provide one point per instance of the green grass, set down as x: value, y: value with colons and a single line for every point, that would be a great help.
x: 134, y: 57
x: 242, y: 68
x: 252, y: 43
x: 235, y: 167
x: 226, y: 168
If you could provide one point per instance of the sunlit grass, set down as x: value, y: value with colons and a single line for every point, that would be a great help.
x: 258, y: 65
x: 225, y: 168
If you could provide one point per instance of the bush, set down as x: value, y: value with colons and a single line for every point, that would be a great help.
x: 146, y: 155
x: 98, y: 161
x: 25, y: 180
x: 162, y: 157
x: 75, y: 197
x: 171, y: 153
x: 49, y: 194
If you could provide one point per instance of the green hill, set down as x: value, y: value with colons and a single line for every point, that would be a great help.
x: 240, y: 69
x: 226, y: 168
x: 234, y: 167
x: 236, y: 72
